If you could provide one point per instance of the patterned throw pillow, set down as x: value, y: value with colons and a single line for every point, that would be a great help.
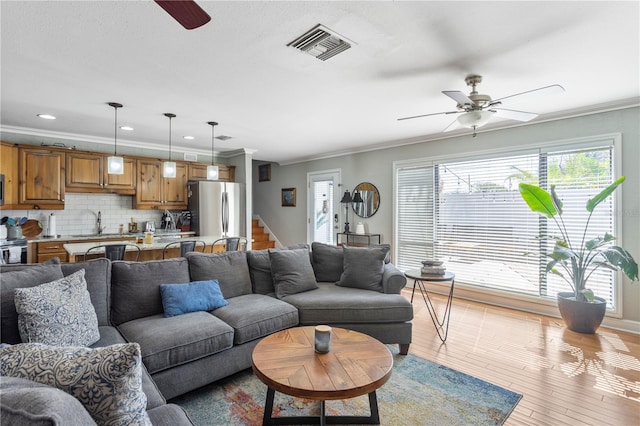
x: 107, y: 381
x: 57, y: 313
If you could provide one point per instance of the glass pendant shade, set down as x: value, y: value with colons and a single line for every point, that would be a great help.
x: 169, y: 169
x: 212, y: 172
x: 475, y: 118
x: 115, y: 165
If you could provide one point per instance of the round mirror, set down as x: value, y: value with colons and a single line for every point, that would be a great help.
x: 370, y: 199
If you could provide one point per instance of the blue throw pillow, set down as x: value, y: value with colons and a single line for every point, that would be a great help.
x: 195, y: 296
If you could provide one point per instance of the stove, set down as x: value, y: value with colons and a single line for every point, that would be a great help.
x: 13, y: 251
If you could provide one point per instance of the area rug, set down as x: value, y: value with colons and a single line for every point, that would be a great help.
x: 420, y: 392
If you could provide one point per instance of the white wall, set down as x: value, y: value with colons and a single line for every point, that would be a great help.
x: 289, y: 223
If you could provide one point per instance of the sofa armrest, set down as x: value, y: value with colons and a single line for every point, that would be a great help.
x: 393, y: 279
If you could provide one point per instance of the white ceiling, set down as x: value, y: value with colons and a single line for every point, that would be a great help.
x: 68, y: 58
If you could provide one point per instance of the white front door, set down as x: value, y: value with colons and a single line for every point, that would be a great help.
x: 322, y: 206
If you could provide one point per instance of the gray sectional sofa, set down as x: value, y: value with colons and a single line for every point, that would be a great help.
x: 266, y: 291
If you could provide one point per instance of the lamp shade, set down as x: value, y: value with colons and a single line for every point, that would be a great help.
x: 475, y: 118
x: 346, y: 198
x: 357, y: 198
x: 169, y: 169
x: 115, y: 165
x: 212, y: 172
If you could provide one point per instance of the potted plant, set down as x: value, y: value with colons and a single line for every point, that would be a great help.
x: 575, y: 261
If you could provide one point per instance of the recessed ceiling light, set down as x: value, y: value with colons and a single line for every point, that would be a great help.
x: 188, y: 138
x: 127, y: 128
x: 47, y: 116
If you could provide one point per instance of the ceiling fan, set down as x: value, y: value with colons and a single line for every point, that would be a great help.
x: 186, y: 12
x: 477, y: 109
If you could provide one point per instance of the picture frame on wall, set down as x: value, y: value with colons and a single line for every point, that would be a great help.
x: 264, y: 173
x: 288, y: 197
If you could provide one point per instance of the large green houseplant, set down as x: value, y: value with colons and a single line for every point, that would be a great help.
x: 575, y: 261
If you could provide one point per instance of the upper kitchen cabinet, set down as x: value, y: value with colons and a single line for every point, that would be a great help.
x: 9, y: 168
x: 198, y: 171
x: 156, y: 192
x: 42, y: 175
x: 87, y: 172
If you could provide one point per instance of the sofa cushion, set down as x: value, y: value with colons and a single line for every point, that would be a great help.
x: 331, y: 304
x: 292, y: 271
x: 168, y: 342
x: 25, y: 402
x: 255, y: 315
x: 109, y: 384
x: 385, y: 247
x: 22, y: 277
x: 57, y: 313
x: 363, y: 267
x: 178, y: 299
x: 327, y: 261
x: 97, y: 274
x: 230, y: 269
x: 260, y: 268
x: 135, y: 286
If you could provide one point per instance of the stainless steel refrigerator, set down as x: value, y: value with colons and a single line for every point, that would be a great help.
x: 217, y: 208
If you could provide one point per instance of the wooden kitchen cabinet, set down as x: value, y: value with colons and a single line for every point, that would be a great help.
x: 51, y: 249
x: 9, y: 168
x: 42, y: 178
x: 198, y: 171
x: 87, y: 172
x: 156, y: 192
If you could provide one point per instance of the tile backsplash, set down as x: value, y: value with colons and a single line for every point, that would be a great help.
x: 81, y: 211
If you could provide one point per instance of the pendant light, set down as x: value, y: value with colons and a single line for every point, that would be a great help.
x: 212, y: 170
x: 115, y: 164
x: 169, y: 167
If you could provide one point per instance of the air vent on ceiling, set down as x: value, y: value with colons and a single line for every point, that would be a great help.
x: 322, y: 43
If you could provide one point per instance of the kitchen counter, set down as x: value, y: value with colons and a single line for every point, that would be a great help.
x: 81, y: 237
x: 148, y: 251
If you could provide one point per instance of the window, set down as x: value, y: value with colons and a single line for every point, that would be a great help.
x: 469, y: 213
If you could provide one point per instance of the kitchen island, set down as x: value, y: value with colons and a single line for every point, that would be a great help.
x: 151, y: 251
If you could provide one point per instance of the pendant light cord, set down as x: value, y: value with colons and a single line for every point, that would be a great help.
x: 213, y: 125
x: 170, y: 115
x: 115, y: 134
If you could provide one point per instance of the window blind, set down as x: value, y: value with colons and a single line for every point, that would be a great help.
x: 470, y: 214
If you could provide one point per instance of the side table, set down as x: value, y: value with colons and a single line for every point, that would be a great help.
x: 441, y: 325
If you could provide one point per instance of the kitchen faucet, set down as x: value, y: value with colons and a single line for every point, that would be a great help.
x: 99, y: 223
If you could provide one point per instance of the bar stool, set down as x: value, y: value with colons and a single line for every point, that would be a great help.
x: 113, y: 251
x: 185, y: 246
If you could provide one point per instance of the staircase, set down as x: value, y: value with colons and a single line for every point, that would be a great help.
x: 260, y: 237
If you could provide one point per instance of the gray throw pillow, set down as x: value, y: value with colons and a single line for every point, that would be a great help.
x: 327, y: 261
x: 363, y: 268
x: 260, y: 268
x: 230, y: 269
x: 25, y: 402
x: 292, y: 272
x: 57, y: 313
x: 12, y: 278
x: 107, y: 381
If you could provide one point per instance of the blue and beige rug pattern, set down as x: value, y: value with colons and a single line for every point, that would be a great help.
x: 420, y: 392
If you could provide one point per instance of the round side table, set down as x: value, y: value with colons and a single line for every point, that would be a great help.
x: 419, y: 279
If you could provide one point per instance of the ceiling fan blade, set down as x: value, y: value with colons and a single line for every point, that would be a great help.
x: 547, y: 90
x: 427, y: 115
x: 459, y: 97
x: 514, y: 115
x: 186, y: 12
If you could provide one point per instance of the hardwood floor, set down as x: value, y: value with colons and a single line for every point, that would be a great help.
x: 566, y: 378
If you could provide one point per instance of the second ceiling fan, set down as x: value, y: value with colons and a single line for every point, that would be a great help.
x: 186, y: 12
x: 476, y: 109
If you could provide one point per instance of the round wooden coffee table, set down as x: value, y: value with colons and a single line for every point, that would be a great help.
x: 356, y: 365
